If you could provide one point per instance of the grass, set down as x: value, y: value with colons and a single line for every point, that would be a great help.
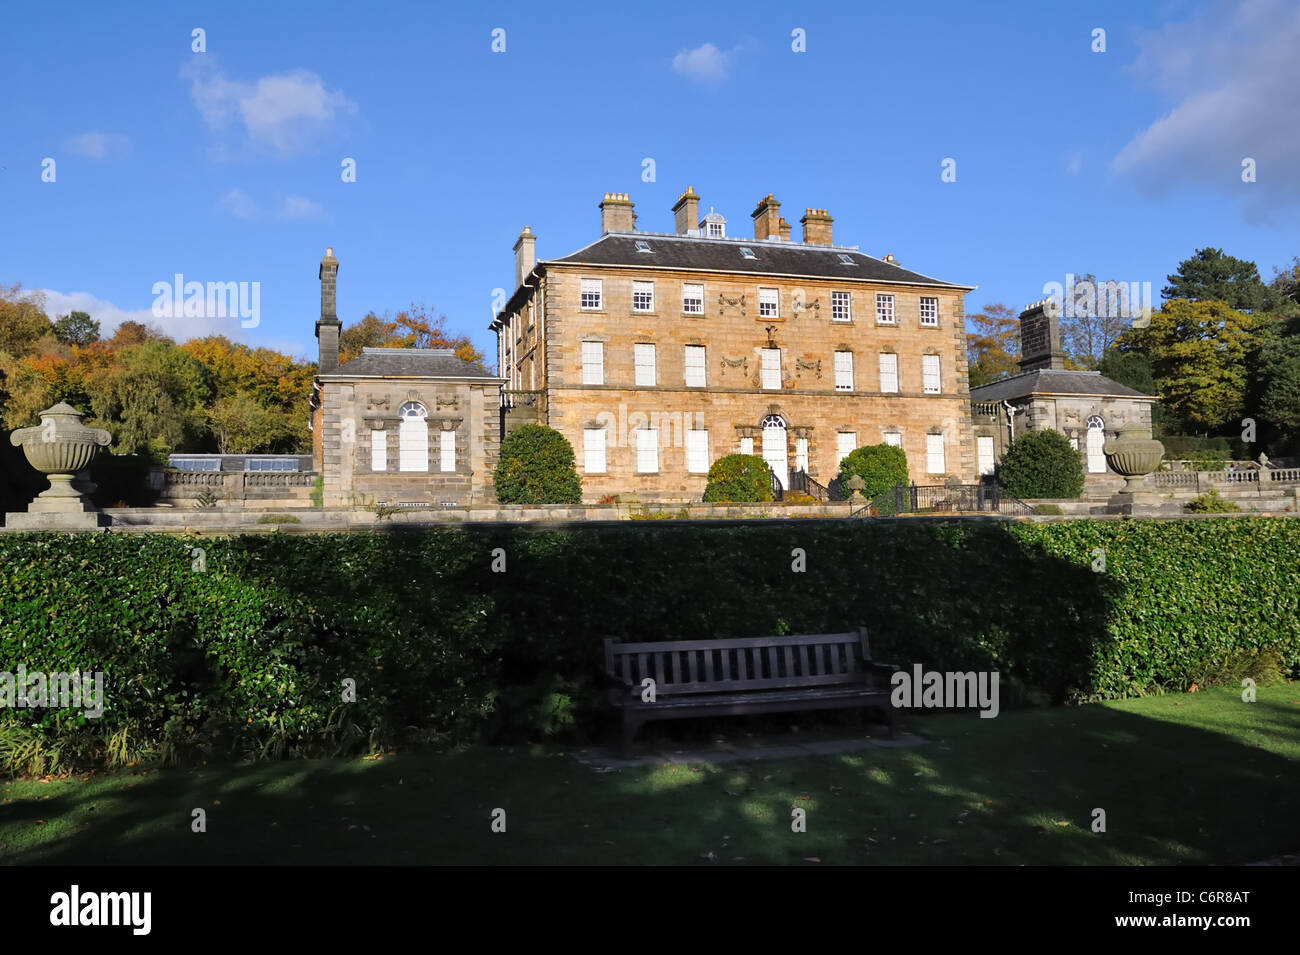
x: 1191, y: 778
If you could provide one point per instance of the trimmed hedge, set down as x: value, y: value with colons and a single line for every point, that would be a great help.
x: 881, y: 467
x: 243, y: 649
x: 739, y: 478
x: 1041, y: 464
x: 536, y: 466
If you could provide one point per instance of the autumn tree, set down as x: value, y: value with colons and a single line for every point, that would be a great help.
x: 23, y: 322
x: 414, y: 327
x: 131, y: 333
x: 992, y: 344
x: 153, y: 400
x: 1199, y: 352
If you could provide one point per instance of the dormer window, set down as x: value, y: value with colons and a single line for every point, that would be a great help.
x: 714, y: 226
x: 747, y: 253
x: 846, y: 259
x: 643, y: 246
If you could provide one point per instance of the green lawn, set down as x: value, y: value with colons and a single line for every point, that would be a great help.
x: 1195, y: 778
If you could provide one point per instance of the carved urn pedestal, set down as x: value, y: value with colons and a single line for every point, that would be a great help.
x: 60, y: 447
x: 1133, y: 456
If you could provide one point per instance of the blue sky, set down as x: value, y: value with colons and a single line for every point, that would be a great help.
x: 225, y: 165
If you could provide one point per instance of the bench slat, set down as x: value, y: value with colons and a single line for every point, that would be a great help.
x: 771, y: 662
x: 691, y: 666
x: 659, y: 669
x: 742, y: 664
x: 708, y: 666
x: 803, y: 660
x: 677, y: 666
x: 718, y: 686
x: 627, y: 668
x: 789, y: 660
x: 733, y: 643
x: 726, y: 664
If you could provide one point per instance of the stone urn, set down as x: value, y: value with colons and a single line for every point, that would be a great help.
x: 60, y: 447
x: 1133, y: 455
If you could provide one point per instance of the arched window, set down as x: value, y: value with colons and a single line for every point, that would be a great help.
x: 1096, y: 438
x: 413, y: 438
x: 775, y: 450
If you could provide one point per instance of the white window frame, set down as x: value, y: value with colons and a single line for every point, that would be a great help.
x: 843, y: 447
x: 746, y: 445
x: 801, y: 454
x: 695, y: 365
x: 841, y: 307
x: 931, y: 383
x: 413, y: 438
x: 769, y: 303
x: 692, y: 303
x: 770, y: 364
x: 593, y: 450
x: 934, y: 454
x: 593, y: 363
x: 378, y: 450
x: 643, y: 360
x: 929, y: 311
x: 888, y: 373
x: 642, y: 290
x: 885, y: 314
x: 844, y: 371
x: 647, y: 450
x: 447, y: 451
x: 893, y: 438
x: 591, y: 295
x: 697, y: 451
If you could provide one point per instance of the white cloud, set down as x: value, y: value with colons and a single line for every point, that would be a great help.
x: 239, y: 204
x: 1231, y: 73
x: 1074, y: 164
x: 110, y: 316
x: 300, y: 207
x: 705, y: 64
x: 287, y: 111
x: 98, y: 145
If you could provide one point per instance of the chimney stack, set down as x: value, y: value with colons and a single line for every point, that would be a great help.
x: 1040, y: 337
x: 767, y: 218
x: 525, y: 255
x: 817, y: 227
x: 328, y: 325
x: 785, y: 230
x: 617, y: 213
x: 686, y: 213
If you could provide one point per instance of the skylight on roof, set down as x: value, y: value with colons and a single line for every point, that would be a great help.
x: 747, y: 252
x: 846, y: 259
x: 643, y: 246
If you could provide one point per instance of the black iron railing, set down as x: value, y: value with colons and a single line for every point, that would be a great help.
x: 800, y: 481
x: 944, y: 499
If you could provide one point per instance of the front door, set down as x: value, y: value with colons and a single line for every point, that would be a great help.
x: 775, y: 452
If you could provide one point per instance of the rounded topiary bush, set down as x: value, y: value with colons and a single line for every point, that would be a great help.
x: 881, y: 466
x: 1041, y: 464
x: 537, y: 467
x: 741, y: 478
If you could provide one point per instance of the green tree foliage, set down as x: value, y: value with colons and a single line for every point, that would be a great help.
x: 1276, y: 379
x: 76, y: 328
x: 1041, y: 464
x: 992, y: 344
x: 1211, y: 276
x: 881, y: 467
x: 1199, y: 354
x: 536, y: 466
x: 153, y: 399
x: 739, y: 478
x: 1130, y: 368
x: 242, y: 426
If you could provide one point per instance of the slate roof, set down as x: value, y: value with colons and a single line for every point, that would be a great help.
x: 408, y: 363
x: 1049, y: 381
x: 723, y: 255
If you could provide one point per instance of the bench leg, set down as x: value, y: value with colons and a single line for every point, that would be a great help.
x: 629, y: 730
x: 890, y: 720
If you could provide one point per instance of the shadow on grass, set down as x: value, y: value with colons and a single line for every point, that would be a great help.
x: 1020, y: 789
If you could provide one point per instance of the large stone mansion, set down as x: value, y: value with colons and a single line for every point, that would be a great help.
x: 656, y: 353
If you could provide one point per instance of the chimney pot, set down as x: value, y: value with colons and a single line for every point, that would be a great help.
x: 617, y: 213
x: 686, y: 213
x: 767, y: 218
x: 817, y: 227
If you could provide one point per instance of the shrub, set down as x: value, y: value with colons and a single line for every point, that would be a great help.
x: 1211, y: 503
x: 279, y: 519
x: 1049, y: 509
x: 246, y: 658
x: 318, y: 491
x: 881, y: 467
x: 739, y: 478
x: 537, y: 467
x: 1041, y: 464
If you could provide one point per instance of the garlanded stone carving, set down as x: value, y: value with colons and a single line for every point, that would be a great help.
x: 804, y: 364
x: 376, y: 403
x: 741, y: 363
x: 725, y: 302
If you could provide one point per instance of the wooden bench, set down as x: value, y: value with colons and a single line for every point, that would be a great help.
x: 748, y: 675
